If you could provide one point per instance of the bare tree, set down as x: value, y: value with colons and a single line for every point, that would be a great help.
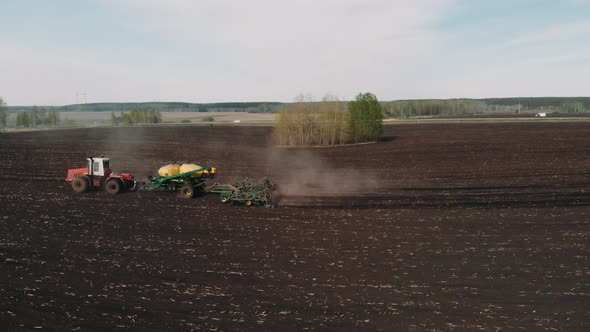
x: 308, y: 123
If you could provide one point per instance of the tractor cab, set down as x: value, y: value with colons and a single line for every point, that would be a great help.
x: 98, y: 174
x: 99, y: 166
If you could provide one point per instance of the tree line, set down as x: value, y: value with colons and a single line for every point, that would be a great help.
x: 37, y: 116
x: 411, y: 108
x: 330, y: 122
x: 405, y: 109
x: 3, y: 113
x: 535, y: 103
x: 572, y: 107
x: 136, y: 116
x: 252, y: 107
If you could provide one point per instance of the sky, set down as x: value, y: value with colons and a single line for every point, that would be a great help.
x: 62, y: 52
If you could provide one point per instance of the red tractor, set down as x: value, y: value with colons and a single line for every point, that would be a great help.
x: 98, y: 175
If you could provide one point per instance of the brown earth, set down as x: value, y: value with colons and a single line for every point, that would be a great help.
x: 437, y: 227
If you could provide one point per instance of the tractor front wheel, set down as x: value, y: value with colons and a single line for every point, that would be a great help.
x: 80, y: 184
x: 113, y: 186
x: 187, y: 191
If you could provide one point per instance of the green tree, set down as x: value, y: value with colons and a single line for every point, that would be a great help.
x: 366, y: 117
x: 34, y: 117
x: 127, y: 119
x: 114, y: 119
x: 3, y: 113
x: 22, y: 119
x: 572, y: 107
x: 139, y: 116
x: 42, y: 116
x: 52, y: 118
x: 37, y: 116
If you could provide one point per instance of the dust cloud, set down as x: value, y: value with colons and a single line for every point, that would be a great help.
x: 125, y: 146
x: 307, y: 173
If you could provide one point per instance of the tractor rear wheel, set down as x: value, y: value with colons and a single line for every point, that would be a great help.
x: 113, y: 186
x: 187, y: 191
x: 80, y: 184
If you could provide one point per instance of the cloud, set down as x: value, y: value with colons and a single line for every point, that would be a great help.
x: 210, y: 51
x: 277, y: 49
x: 223, y: 50
x: 53, y: 76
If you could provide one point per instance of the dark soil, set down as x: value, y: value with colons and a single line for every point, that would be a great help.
x: 437, y: 227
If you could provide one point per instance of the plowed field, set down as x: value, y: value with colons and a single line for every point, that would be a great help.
x: 436, y: 227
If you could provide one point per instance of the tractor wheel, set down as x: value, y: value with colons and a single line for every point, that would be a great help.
x: 113, y: 186
x: 80, y: 184
x: 187, y: 191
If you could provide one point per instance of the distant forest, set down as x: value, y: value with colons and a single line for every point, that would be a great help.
x: 398, y: 108
x: 461, y: 107
x: 251, y: 107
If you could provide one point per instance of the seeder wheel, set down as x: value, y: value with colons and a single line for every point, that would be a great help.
x: 187, y: 191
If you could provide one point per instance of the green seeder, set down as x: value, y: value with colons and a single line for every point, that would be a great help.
x: 248, y: 191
